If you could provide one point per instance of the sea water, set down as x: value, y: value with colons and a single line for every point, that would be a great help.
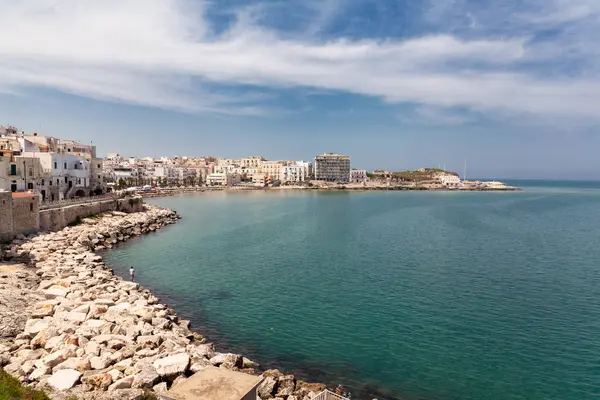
x: 396, y: 295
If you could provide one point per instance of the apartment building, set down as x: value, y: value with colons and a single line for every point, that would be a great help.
x: 220, y: 179
x: 272, y: 170
x: 358, y: 176
x: 297, y: 172
x: 259, y: 180
x: 252, y: 162
x: 20, y: 173
x: 331, y: 167
x: 54, y: 168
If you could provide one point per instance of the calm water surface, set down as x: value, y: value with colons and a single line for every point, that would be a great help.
x: 409, y: 295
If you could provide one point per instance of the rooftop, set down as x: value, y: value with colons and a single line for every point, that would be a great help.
x: 212, y: 383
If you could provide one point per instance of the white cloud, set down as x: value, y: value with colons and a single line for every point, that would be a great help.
x: 436, y: 116
x: 163, y: 53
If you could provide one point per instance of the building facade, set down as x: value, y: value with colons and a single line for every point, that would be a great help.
x: 252, y: 162
x: 330, y: 167
x: 219, y: 179
x: 53, y: 168
x: 449, y: 180
x: 298, y: 172
x: 272, y: 170
x: 259, y: 180
x: 358, y: 176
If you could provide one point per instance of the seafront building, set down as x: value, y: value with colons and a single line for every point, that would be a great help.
x: 449, y: 180
x: 53, y: 168
x: 297, y: 172
x: 177, y: 171
x: 358, y: 176
x: 222, y: 179
x: 331, y: 167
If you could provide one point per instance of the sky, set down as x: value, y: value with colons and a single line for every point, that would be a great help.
x: 511, y: 86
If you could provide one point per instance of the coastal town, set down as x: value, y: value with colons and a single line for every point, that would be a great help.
x: 71, y: 328
x: 58, y: 169
x: 74, y: 329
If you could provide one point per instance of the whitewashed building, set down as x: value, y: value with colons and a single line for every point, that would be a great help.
x: 298, y: 172
x: 449, y: 180
x: 220, y: 179
x: 259, y: 180
x: 358, y: 176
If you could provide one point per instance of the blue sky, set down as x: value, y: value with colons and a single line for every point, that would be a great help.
x: 513, y: 86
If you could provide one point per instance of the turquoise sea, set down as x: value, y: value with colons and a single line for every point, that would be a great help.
x: 396, y: 295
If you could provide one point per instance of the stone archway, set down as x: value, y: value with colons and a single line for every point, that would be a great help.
x: 80, y: 193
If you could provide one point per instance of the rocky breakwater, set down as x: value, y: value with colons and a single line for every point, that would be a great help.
x: 92, y: 335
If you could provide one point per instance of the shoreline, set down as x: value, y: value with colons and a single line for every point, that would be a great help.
x: 177, y: 191
x: 85, y: 331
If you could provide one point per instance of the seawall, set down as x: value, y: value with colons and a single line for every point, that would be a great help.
x: 54, y: 219
x: 87, y: 333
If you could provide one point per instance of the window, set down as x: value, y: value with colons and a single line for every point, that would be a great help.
x: 76, y: 165
x: 43, y: 182
x: 30, y: 171
x: 65, y: 179
x: 57, y: 182
x: 99, y: 166
x: 30, y: 185
x: 30, y: 206
x: 50, y: 182
x: 55, y: 165
x: 13, y: 169
x: 65, y: 165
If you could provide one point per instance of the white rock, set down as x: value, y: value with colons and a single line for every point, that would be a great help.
x: 76, y: 316
x: 64, y: 379
x: 84, y: 308
x: 160, y: 388
x: 56, y: 291
x: 92, y: 348
x: 100, y: 362
x: 124, y: 383
x: 53, y: 359
x: 116, y: 374
x: 172, y: 365
x: 34, y: 326
x: 39, y: 372
x: 54, y: 341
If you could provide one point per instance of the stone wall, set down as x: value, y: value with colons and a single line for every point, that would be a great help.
x: 57, y: 218
x: 6, y: 217
x: 25, y: 215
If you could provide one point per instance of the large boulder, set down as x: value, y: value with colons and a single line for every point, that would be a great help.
x: 64, y: 379
x: 149, y: 340
x: 35, y: 326
x: 286, y: 385
x: 98, y: 381
x: 100, y: 362
x: 172, y: 365
x: 56, y: 291
x: 124, y: 383
x: 227, y: 360
x: 146, y: 379
x: 266, y: 389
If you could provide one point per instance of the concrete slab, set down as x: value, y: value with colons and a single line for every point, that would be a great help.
x: 212, y: 383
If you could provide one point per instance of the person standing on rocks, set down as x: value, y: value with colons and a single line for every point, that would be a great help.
x: 132, y: 273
